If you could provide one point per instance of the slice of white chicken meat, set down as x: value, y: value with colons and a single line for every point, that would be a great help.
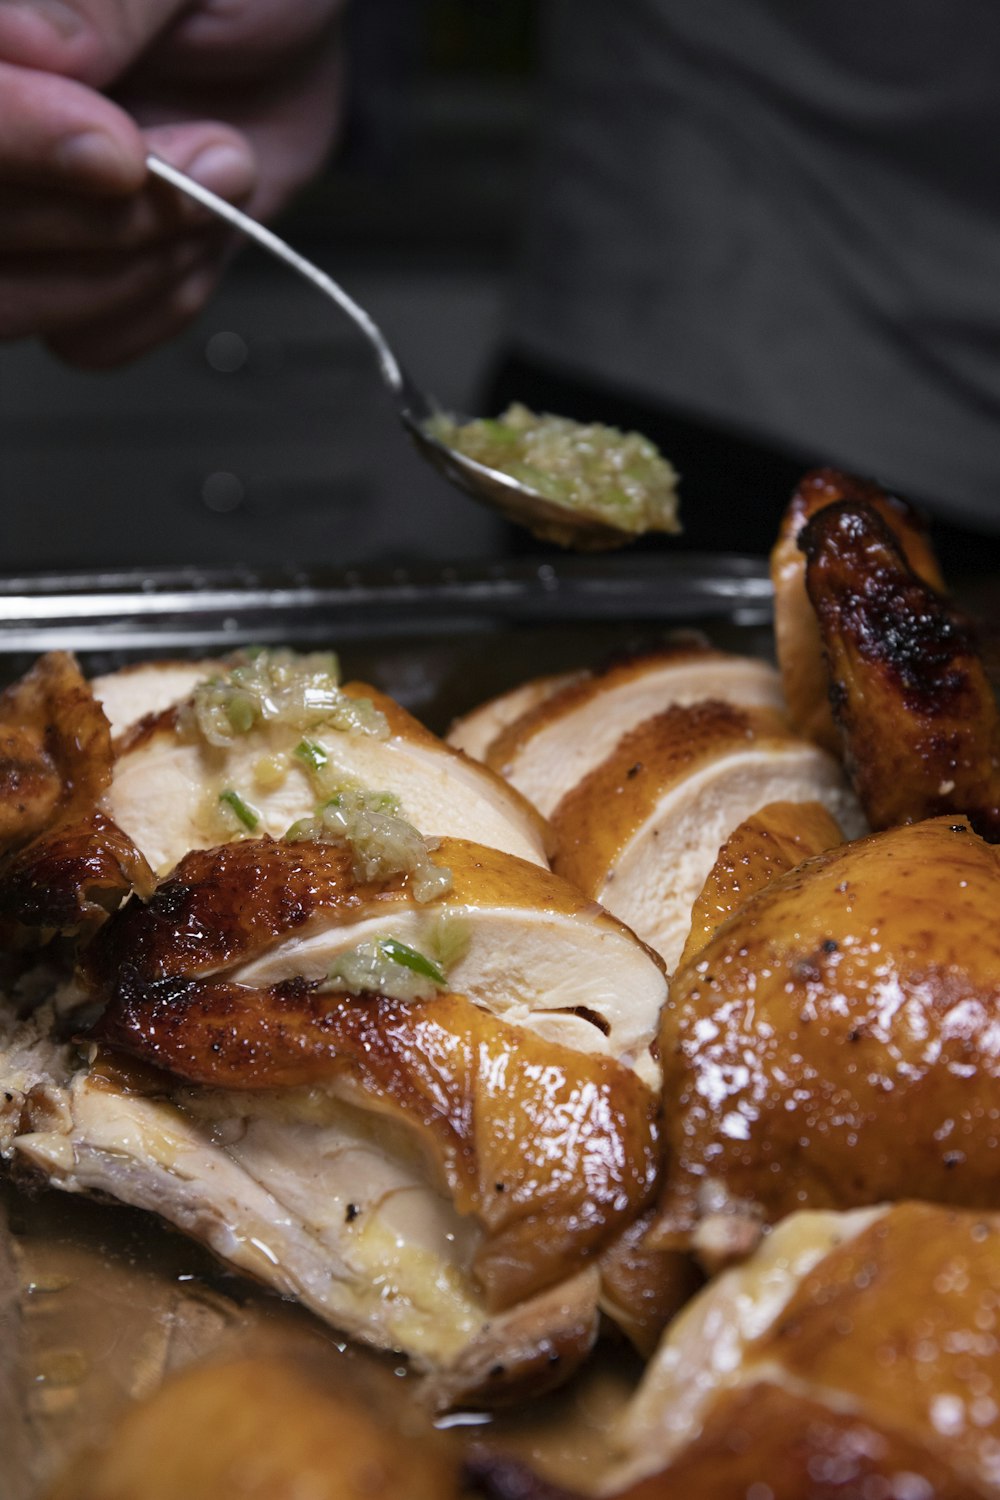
x: 531, y: 950
x: 641, y: 833
x: 147, y: 687
x: 557, y: 742
x: 167, y: 782
x: 319, y: 1200
x: 476, y: 731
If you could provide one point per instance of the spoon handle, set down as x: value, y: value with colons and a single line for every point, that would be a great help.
x: 389, y: 367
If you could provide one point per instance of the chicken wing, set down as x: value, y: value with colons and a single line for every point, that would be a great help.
x: 919, y: 721
x: 797, y: 638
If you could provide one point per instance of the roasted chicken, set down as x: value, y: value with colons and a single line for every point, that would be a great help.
x: 261, y: 1429
x: 168, y: 779
x: 835, y: 1043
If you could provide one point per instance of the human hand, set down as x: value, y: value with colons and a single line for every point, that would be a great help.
x: 96, y: 258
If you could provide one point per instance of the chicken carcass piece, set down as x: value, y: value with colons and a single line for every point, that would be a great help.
x: 918, y: 718
x: 64, y: 865
x: 836, y: 1043
x: 261, y: 1429
x: 853, y: 1356
x: 551, y: 748
x: 148, y: 687
x: 420, y: 1173
x: 641, y: 833
x: 476, y: 731
x: 167, y: 782
x: 55, y: 749
x: 797, y: 637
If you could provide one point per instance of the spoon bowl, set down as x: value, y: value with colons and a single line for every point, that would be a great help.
x: 545, y: 518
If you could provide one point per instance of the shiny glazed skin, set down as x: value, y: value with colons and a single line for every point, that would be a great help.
x: 836, y: 1043
x: 918, y: 718
x: 797, y: 637
x: 550, y: 1149
x: 763, y: 1439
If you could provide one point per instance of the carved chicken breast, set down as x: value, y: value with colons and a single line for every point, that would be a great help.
x: 640, y: 833
x: 835, y: 1043
x: 417, y: 1170
x: 519, y: 941
x: 852, y: 1355
x: 551, y: 748
x: 797, y: 637
x: 168, y: 781
x: 918, y: 717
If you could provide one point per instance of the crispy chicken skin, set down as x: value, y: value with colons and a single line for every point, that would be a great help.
x: 797, y: 637
x: 55, y: 749
x: 917, y: 715
x: 550, y: 1149
x: 853, y: 1356
x: 836, y: 1042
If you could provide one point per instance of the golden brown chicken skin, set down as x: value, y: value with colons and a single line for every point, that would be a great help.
x: 797, y: 638
x: 836, y: 1043
x: 551, y: 1149
x: 917, y: 715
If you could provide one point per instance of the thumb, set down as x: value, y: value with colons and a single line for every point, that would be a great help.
x: 214, y: 154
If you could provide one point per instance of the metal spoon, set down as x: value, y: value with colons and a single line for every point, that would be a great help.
x: 517, y: 501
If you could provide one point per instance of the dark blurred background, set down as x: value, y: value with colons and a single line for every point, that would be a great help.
x: 263, y: 435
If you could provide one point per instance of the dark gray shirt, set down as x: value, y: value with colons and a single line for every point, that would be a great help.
x: 783, y: 215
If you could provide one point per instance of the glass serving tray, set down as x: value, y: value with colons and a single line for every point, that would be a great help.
x: 98, y: 1303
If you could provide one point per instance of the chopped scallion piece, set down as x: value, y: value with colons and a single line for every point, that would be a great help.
x: 312, y: 754
x: 410, y: 958
x: 242, y: 811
